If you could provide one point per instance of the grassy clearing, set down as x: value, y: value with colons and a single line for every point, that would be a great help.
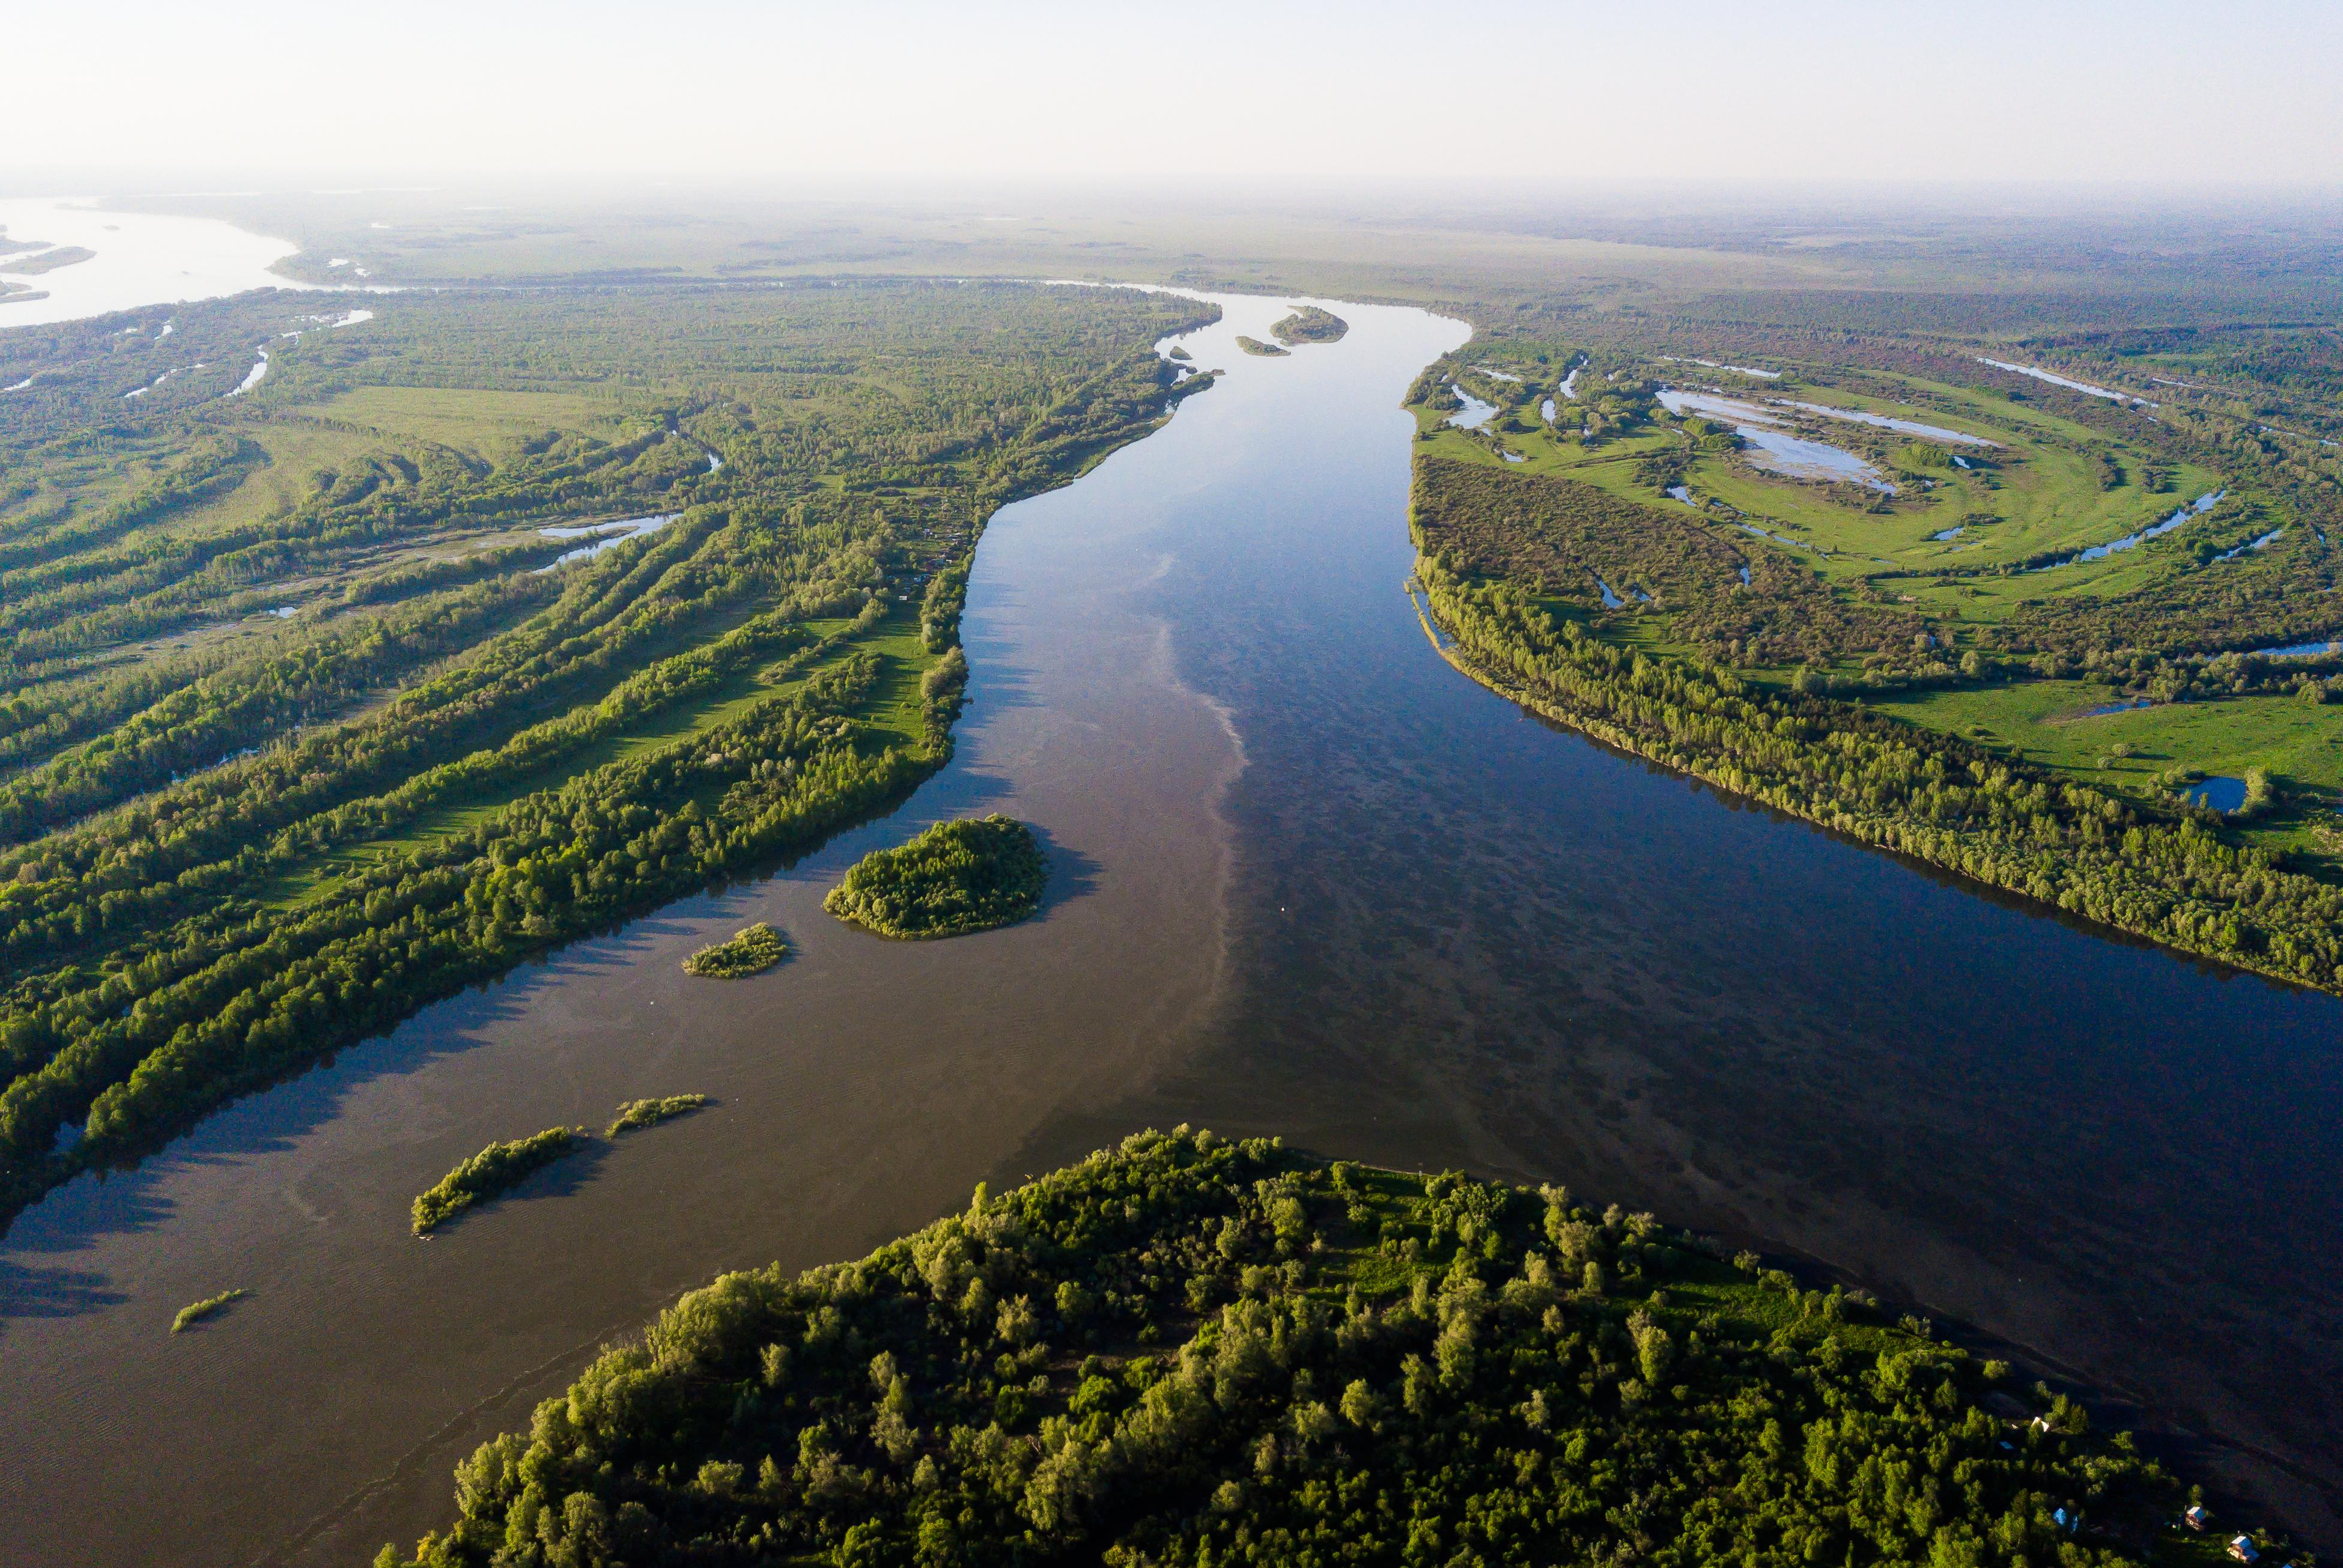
x: 2045, y: 495
x: 489, y: 425
x: 2300, y: 743
x: 2051, y: 485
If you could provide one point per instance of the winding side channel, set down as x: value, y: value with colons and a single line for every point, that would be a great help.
x: 1308, y: 880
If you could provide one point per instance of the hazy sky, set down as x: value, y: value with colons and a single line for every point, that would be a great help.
x: 2207, y: 91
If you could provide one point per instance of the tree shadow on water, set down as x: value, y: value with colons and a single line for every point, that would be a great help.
x: 1072, y: 873
x: 134, y: 1196
x: 39, y: 1291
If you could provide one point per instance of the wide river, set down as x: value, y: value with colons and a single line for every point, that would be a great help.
x: 132, y: 260
x: 1309, y: 879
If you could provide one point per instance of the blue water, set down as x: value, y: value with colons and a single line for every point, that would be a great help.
x: 2220, y: 794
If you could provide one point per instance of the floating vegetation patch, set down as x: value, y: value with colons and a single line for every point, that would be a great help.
x: 195, y: 1312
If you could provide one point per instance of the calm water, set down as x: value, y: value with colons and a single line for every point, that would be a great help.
x: 140, y: 259
x: 1885, y: 422
x: 2202, y: 505
x: 1308, y: 880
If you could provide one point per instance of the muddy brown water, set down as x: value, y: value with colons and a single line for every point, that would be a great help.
x: 1306, y: 880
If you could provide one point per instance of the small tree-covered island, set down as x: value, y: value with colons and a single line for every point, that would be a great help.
x: 1186, y: 1351
x: 493, y: 1171
x: 1308, y: 323
x: 954, y: 878
x: 747, y: 952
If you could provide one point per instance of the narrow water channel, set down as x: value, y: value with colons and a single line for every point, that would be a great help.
x: 1308, y: 880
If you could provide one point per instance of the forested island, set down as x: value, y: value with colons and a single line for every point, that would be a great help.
x: 956, y: 878
x: 1254, y: 346
x: 1309, y: 323
x: 1924, y: 600
x: 748, y: 952
x: 636, y: 1114
x: 1186, y: 1351
x: 195, y: 1312
x: 304, y: 722
x: 495, y: 1169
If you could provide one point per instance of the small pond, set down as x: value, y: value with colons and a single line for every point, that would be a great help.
x: 2221, y: 794
x: 2197, y: 508
x: 2056, y: 380
x: 1473, y: 413
x: 1908, y: 426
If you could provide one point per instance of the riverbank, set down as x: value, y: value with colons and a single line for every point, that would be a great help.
x: 1919, y: 792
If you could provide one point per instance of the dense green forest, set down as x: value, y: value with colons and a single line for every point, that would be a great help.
x: 956, y: 878
x: 1191, y: 1352
x: 305, y: 722
x: 2013, y: 650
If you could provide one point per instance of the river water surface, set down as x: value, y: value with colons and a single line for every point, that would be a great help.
x: 1307, y: 879
x: 134, y: 259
